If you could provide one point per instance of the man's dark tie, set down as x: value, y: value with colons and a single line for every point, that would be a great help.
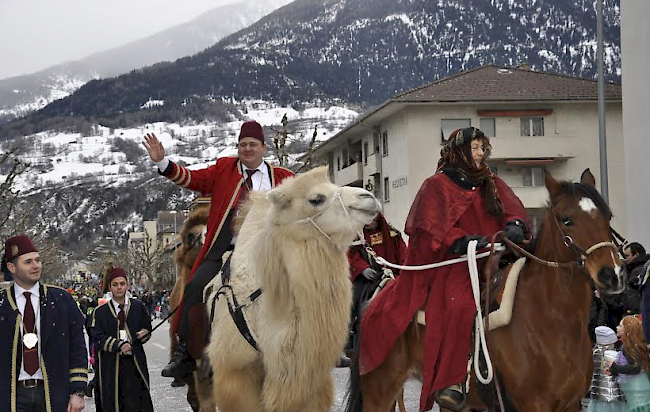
x: 121, y: 317
x: 248, y: 185
x: 243, y: 194
x: 30, y: 356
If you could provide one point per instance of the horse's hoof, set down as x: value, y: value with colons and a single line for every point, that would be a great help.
x: 452, y: 398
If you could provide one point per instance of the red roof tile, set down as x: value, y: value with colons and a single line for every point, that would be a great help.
x: 496, y: 83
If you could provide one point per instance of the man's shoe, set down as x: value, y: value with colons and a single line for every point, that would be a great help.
x: 452, y: 398
x: 181, y: 364
x: 177, y: 383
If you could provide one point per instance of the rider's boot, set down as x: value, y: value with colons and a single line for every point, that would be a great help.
x: 452, y: 398
x: 181, y: 363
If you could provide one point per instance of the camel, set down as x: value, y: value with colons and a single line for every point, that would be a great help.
x: 199, y: 392
x: 292, y: 245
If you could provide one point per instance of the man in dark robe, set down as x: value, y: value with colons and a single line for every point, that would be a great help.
x: 463, y: 201
x: 119, y: 329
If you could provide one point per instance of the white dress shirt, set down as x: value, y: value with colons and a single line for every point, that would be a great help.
x: 261, y: 179
x: 21, y: 302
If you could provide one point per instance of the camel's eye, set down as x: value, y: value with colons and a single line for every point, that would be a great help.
x: 190, y: 238
x: 318, y: 200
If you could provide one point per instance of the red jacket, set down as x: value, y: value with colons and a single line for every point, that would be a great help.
x: 222, y: 181
x: 385, y: 241
x: 441, y: 213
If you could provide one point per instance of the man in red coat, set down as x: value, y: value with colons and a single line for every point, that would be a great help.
x: 385, y: 241
x: 228, y: 182
x: 463, y: 201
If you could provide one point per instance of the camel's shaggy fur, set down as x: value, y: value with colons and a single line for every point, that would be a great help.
x: 199, y: 393
x: 301, y: 319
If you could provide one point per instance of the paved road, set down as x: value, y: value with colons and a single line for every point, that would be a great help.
x: 168, y: 399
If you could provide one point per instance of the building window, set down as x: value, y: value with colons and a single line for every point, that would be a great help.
x: 487, y: 126
x: 532, y: 176
x: 338, y: 163
x: 384, y: 143
x: 346, y: 158
x: 375, y: 143
x: 532, y: 126
x: 365, y: 153
x: 449, y: 125
x: 386, y: 190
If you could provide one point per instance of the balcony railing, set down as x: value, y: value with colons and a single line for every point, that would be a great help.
x: 522, y: 147
x: 350, y: 174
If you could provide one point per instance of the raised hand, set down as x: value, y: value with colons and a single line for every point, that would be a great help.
x: 154, y: 147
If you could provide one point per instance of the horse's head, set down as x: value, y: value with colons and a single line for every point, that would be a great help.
x: 312, y: 206
x: 582, y: 217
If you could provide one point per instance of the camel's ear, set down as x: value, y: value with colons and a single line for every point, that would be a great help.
x: 278, y: 197
x: 588, y: 179
x: 552, y: 185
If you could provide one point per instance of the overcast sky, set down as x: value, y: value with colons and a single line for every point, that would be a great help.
x: 35, y: 34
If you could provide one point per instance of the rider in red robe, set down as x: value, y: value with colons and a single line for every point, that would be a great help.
x: 464, y: 200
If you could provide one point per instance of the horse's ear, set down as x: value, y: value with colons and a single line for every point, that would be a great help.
x: 552, y: 185
x: 588, y: 179
x: 278, y: 197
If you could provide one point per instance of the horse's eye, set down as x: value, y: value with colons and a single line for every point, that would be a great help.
x: 567, y: 222
x: 318, y: 200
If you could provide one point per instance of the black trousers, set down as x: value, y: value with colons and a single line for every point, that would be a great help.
x: 30, y: 399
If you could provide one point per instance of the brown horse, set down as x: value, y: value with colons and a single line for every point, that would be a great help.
x: 199, y: 392
x: 544, y: 354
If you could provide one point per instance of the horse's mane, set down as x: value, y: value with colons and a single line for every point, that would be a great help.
x: 568, y: 188
x: 582, y: 190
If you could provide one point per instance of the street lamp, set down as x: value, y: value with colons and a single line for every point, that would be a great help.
x: 173, y: 212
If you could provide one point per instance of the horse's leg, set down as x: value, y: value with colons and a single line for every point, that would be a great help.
x: 237, y: 390
x: 381, y: 387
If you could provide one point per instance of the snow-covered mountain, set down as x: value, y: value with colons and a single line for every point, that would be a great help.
x: 101, y: 184
x: 362, y: 51
x: 23, y: 94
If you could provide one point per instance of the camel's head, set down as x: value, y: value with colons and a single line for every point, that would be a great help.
x: 313, y: 206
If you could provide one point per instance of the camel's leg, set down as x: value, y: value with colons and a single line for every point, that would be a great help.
x: 322, y: 399
x: 204, y: 393
x: 237, y: 391
x: 381, y: 387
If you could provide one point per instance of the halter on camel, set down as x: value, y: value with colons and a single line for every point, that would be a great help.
x: 235, y: 308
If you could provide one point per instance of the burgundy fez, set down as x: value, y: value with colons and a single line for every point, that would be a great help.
x: 116, y: 273
x: 252, y: 129
x: 18, y: 246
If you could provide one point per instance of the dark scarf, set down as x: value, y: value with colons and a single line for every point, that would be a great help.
x: 456, y: 162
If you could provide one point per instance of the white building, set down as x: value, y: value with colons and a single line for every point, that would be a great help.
x: 635, y: 46
x: 535, y: 121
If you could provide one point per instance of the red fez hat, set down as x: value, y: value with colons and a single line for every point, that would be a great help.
x: 252, y: 129
x: 18, y: 246
x: 116, y: 273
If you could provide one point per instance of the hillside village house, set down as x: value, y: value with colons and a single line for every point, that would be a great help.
x: 535, y: 121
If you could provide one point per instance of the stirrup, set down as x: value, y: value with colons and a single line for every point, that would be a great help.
x: 453, y: 398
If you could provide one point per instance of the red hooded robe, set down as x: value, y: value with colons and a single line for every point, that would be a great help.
x: 442, y: 213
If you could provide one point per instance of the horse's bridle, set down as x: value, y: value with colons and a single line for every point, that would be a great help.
x: 311, y: 219
x: 581, y: 253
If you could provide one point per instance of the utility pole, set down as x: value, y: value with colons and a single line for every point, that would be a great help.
x: 602, y: 138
